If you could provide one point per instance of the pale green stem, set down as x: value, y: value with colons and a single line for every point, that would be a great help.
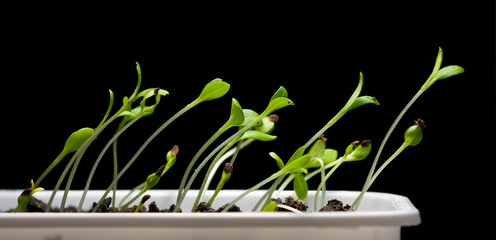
x: 197, y: 170
x: 221, y: 181
x: 390, y: 131
x: 61, y: 179
x: 209, y: 171
x: 195, y: 158
x: 50, y: 167
x: 116, y: 159
x: 323, y: 182
x: 76, y: 158
x: 268, y: 194
x: 116, y: 169
x: 289, y: 208
x: 143, y: 184
x: 259, y: 185
x: 142, y: 148
x: 230, y: 139
x: 99, y: 158
x: 223, y: 158
x: 125, y: 206
x: 369, y: 182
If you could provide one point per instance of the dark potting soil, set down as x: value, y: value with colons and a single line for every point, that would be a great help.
x: 205, y: 207
x: 36, y: 205
x: 291, y: 202
x: 335, y: 205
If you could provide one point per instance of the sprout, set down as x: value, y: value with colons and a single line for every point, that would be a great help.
x: 413, y: 135
x: 23, y: 199
x: 72, y: 144
x: 140, y: 204
x: 438, y: 73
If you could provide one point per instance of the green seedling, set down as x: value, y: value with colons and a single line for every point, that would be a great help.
x: 140, y: 204
x: 268, y: 124
x: 150, y: 182
x: 72, y: 144
x: 279, y: 100
x: 438, y: 73
x: 130, y: 116
x: 412, y: 137
x: 356, y: 151
x: 75, y: 160
x: 294, y: 165
x: 136, y: 113
x: 23, y: 199
x: 353, y: 102
x: 226, y: 175
x: 236, y: 118
x: 213, y: 90
x: 171, y: 158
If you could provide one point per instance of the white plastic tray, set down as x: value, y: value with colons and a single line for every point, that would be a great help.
x: 381, y: 216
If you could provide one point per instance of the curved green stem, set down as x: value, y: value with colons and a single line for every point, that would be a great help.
x: 323, y: 182
x: 224, y: 157
x: 125, y: 206
x: 390, y: 131
x: 268, y: 194
x: 142, y: 148
x: 341, y: 113
x: 195, y: 158
x: 50, y: 167
x: 140, y: 186
x: 99, y: 158
x: 371, y: 180
x: 259, y: 185
x: 209, y: 171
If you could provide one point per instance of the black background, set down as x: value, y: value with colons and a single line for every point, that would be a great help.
x: 57, y: 66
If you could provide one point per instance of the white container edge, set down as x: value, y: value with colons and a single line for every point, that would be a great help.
x: 380, y: 214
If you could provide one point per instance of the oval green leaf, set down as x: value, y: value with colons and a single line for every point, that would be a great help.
x: 237, y: 116
x: 252, y: 134
x: 213, y: 90
x: 360, y: 101
x: 300, y: 186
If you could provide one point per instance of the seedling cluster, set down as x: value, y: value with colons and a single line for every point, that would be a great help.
x: 314, y: 158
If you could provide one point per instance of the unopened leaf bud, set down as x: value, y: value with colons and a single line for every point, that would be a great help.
x: 414, y: 134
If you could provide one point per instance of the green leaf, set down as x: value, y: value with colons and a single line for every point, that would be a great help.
x: 213, y: 90
x: 237, y: 116
x: 300, y: 186
x: 77, y: 138
x: 360, y: 101
x: 297, y: 164
x: 136, y: 90
x: 279, y: 161
x: 318, y: 148
x: 277, y: 103
x: 430, y: 80
x: 448, y: 71
x: 297, y: 154
x: 330, y: 155
x: 270, y: 207
x: 252, y: 134
x: 249, y: 117
x: 281, y: 92
x: 359, y: 152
